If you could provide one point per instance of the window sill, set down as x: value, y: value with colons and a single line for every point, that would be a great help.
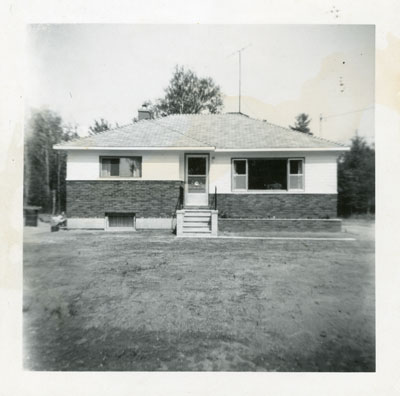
x: 119, y: 178
x: 120, y: 229
x: 268, y: 192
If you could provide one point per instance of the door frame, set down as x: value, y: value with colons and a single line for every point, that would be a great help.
x: 207, y: 156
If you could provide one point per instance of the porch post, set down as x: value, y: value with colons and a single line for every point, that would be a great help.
x: 214, y: 222
x: 179, y: 222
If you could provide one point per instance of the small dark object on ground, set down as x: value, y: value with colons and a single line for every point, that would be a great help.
x: 58, y: 222
x: 31, y: 214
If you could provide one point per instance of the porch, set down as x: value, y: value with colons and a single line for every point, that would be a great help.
x: 196, y: 221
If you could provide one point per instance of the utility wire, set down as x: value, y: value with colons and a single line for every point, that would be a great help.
x: 349, y: 112
x: 322, y: 118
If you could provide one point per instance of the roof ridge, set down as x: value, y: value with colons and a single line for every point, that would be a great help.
x: 117, y: 127
x: 294, y: 130
x: 111, y: 129
x: 324, y: 139
x: 271, y: 123
x: 100, y: 132
x: 187, y: 137
x: 201, y: 115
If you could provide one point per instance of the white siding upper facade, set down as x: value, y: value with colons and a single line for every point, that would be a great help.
x: 156, y: 165
x: 320, y: 171
x: 320, y: 168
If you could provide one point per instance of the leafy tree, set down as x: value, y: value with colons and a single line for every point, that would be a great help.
x: 44, y: 167
x: 356, y: 179
x: 70, y: 132
x: 188, y: 94
x: 99, y: 126
x: 301, y: 124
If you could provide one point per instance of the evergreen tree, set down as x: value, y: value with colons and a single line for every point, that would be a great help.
x: 301, y: 124
x: 99, y: 126
x: 44, y: 168
x: 356, y: 179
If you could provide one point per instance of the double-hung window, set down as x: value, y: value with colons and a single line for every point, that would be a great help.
x: 266, y: 174
x: 239, y: 179
x: 296, y: 174
x: 121, y: 167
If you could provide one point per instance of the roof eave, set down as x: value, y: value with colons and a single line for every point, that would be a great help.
x: 337, y: 149
x: 144, y: 148
x: 194, y: 148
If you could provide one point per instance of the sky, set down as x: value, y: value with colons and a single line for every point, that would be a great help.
x: 92, y: 71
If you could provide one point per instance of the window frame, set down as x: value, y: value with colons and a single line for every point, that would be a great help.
x: 287, y: 190
x: 101, y: 157
x: 107, y: 216
x: 290, y: 174
x: 233, y: 174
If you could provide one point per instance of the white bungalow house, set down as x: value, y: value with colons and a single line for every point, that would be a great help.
x: 201, y: 173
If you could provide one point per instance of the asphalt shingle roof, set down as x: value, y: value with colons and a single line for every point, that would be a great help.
x: 222, y: 131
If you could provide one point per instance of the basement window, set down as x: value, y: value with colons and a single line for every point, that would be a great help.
x: 120, y: 221
x: 268, y: 174
x: 121, y: 167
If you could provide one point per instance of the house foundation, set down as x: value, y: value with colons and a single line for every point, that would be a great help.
x: 238, y: 226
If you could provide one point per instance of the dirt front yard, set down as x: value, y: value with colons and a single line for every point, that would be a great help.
x: 150, y: 301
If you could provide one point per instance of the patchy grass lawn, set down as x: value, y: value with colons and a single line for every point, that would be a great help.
x: 150, y: 301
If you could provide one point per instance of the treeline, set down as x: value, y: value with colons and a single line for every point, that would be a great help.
x: 356, y: 179
x: 44, y: 167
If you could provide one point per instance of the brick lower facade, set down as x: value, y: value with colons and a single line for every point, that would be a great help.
x: 158, y: 199
x: 280, y: 206
x: 145, y: 198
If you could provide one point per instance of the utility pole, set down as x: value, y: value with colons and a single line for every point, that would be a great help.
x: 320, y: 124
x: 240, y: 72
x: 240, y: 77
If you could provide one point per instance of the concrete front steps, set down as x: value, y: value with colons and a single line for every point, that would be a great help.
x: 196, y: 222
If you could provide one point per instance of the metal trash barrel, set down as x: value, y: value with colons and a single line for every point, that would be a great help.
x: 31, y: 214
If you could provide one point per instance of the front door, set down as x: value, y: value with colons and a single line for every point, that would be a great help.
x: 196, y: 180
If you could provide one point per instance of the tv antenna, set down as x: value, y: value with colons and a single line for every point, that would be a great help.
x: 239, y: 51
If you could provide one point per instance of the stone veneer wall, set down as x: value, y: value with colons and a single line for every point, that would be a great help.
x: 145, y: 198
x: 280, y: 206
